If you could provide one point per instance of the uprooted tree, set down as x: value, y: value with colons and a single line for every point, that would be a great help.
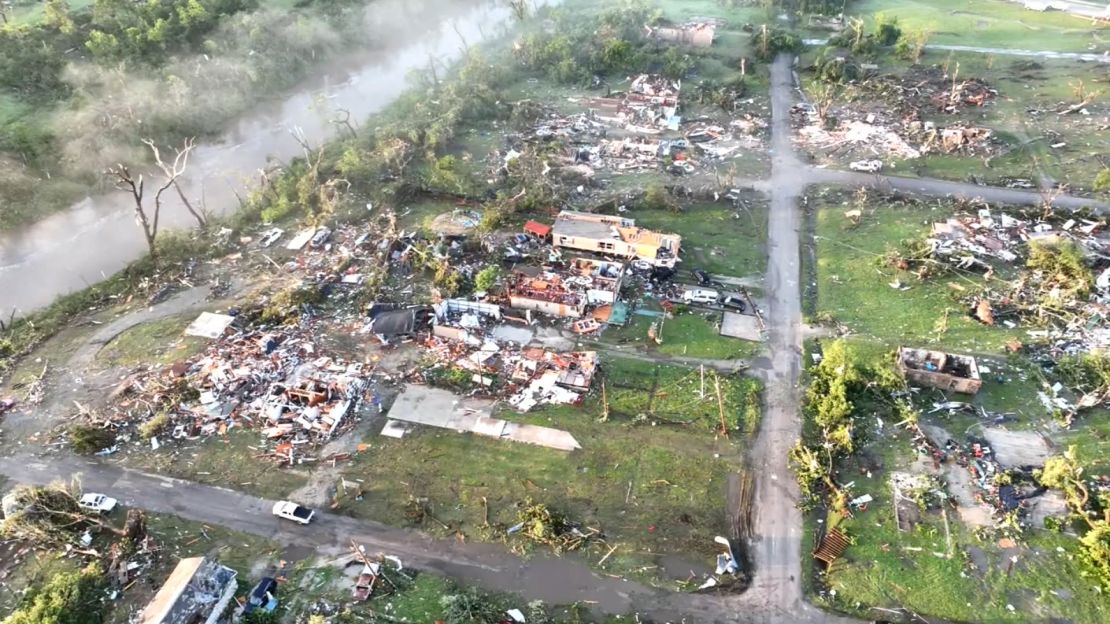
x: 49, y: 515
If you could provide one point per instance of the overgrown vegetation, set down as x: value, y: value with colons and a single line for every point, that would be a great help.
x: 67, y: 598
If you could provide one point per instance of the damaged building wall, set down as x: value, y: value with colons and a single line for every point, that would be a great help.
x: 198, y: 591
x: 615, y: 236
x: 945, y: 371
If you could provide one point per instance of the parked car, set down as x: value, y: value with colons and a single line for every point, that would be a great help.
x: 320, y: 237
x: 703, y: 278
x: 866, y: 166
x: 700, y: 295
x: 292, y: 511
x: 733, y: 302
x: 97, y: 502
x: 270, y: 237
x: 263, y: 597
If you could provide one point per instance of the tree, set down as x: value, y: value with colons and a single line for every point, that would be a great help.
x: 1102, y: 180
x: 470, y: 606
x: 88, y: 440
x: 911, y: 45
x: 887, y: 30
x: 56, y: 15
x: 1063, y: 472
x: 1096, y: 547
x: 67, y: 598
x: 49, y: 516
x: 175, y: 171
x: 124, y: 181
x: 487, y: 278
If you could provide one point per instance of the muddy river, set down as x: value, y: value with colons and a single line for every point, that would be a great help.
x: 98, y: 236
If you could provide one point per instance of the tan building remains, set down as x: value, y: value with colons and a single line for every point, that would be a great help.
x: 615, y: 236
x: 937, y: 369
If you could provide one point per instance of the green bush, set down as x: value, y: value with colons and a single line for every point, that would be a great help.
x: 88, y: 440
x: 67, y: 598
x: 155, y: 425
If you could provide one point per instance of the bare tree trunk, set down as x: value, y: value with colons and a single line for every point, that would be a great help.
x: 127, y: 183
x: 175, y: 171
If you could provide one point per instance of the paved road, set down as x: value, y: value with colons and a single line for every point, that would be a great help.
x: 944, y: 188
x: 1045, y: 54
x: 556, y: 580
x: 777, y: 523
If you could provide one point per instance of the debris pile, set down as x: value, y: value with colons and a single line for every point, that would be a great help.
x: 697, y: 32
x: 624, y: 132
x: 888, y: 118
x: 272, y: 379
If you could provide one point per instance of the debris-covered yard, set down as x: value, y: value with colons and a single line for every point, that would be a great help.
x: 1005, y: 121
x: 948, y: 501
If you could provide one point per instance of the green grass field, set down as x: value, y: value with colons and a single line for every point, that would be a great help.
x: 989, y: 23
x: 653, y: 485
x: 888, y: 568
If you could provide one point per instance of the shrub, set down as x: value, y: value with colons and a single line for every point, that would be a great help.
x: 88, y: 440
x: 154, y: 426
x: 67, y: 598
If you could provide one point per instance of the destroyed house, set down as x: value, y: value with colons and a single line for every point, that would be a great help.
x: 390, y: 322
x: 696, y: 34
x: 464, y: 321
x: 945, y: 371
x: 565, y: 292
x: 615, y: 236
x: 198, y: 591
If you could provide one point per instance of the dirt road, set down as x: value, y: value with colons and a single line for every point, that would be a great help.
x: 777, y: 524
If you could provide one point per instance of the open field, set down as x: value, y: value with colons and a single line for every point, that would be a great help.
x: 231, y: 461
x: 969, y: 579
x: 1030, y: 141
x: 990, y: 24
x: 655, y: 486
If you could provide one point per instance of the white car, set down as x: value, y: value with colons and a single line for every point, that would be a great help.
x: 97, y: 502
x: 292, y: 511
x: 867, y: 166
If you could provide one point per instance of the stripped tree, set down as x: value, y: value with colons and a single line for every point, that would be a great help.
x: 176, y: 170
x: 136, y: 187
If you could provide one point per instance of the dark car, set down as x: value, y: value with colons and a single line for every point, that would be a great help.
x: 733, y: 302
x: 703, y: 278
x: 263, y: 597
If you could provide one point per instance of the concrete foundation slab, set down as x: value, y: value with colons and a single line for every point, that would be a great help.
x: 742, y: 326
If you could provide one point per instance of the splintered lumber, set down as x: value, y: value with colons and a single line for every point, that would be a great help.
x: 833, y: 544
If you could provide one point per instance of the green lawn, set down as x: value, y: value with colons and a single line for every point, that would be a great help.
x: 162, y: 341
x: 989, y: 23
x: 715, y: 237
x: 1027, y: 133
x: 227, y: 461
x: 850, y: 270
x: 693, y: 334
x: 653, y: 485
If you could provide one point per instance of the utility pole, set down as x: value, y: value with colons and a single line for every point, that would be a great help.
x: 720, y: 404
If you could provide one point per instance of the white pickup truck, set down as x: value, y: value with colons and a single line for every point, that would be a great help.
x: 292, y: 511
x: 98, y: 503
